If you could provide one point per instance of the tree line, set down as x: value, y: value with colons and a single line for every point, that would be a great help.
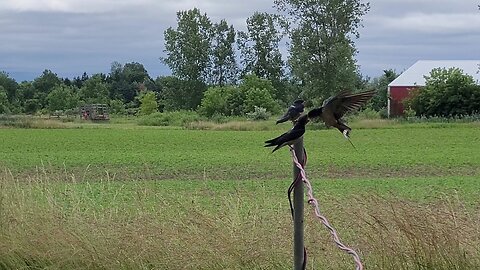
x: 218, y: 70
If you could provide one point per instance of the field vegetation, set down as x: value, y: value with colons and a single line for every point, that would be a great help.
x: 123, y: 196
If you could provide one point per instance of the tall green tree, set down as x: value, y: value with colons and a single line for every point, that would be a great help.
x: 10, y: 86
x: 61, y: 98
x: 223, y: 69
x: 78, y: 81
x: 4, y: 103
x: 380, y: 84
x: 43, y: 85
x: 178, y: 94
x: 322, y: 49
x: 259, y: 46
x: 126, y: 81
x: 94, y: 90
x: 188, y: 46
x: 26, y: 97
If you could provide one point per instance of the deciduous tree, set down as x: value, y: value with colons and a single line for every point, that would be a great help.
x: 62, y: 97
x: 380, y: 84
x: 322, y: 49
x: 43, y: 85
x: 224, y: 68
x: 188, y: 46
x: 94, y: 90
x: 259, y: 46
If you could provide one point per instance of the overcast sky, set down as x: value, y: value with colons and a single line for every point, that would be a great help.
x: 70, y: 37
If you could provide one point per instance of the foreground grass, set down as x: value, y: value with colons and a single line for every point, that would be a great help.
x: 91, y: 198
x: 408, y: 223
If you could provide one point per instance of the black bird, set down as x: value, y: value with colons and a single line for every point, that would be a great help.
x: 291, y: 136
x: 293, y: 112
x: 334, y: 108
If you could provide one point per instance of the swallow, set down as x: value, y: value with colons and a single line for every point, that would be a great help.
x: 335, y: 107
x: 291, y: 136
x: 293, y: 112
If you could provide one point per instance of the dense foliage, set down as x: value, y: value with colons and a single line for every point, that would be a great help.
x: 218, y: 71
x: 447, y: 92
x: 322, y: 51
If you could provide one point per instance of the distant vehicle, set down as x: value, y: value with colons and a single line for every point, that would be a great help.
x: 94, y: 112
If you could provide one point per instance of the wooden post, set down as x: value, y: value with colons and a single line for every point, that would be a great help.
x: 298, y: 195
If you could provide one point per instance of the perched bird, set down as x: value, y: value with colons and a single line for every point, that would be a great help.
x: 293, y: 112
x: 291, y: 136
x: 334, y: 108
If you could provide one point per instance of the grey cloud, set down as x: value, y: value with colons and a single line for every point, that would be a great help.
x: 398, y: 33
x: 88, y: 35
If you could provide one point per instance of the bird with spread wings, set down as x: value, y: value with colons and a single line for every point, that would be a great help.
x: 331, y: 113
x: 334, y: 108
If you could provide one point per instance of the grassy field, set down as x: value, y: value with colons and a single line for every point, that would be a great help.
x: 122, y: 197
x: 192, y: 154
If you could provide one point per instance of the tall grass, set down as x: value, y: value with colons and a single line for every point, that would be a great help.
x: 68, y: 224
x: 30, y: 122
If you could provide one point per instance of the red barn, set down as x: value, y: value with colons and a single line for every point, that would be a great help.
x: 414, y: 77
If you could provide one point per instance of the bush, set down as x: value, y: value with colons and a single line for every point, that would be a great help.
x: 177, y: 118
x: 260, y: 97
x: 148, y: 103
x: 447, y: 92
x: 259, y: 113
x: 215, y: 101
x: 239, y: 100
x: 117, y: 107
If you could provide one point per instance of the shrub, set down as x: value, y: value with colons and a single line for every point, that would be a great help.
x: 447, y: 92
x: 148, y: 103
x: 214, y: 101
x: 239, y: 100
x: 117, y: 107
x: 259, y: 113
x: 176, y: 118
x: 260, y: 97
x: 62, y: 98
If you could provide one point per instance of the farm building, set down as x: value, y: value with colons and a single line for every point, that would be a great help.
x: 413, y: 77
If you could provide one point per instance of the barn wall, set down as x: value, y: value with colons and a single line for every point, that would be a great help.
x: 397, y: 95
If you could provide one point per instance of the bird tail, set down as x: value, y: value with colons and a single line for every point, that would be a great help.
x: 348, y: 138
x: 344, y: 129
x: 276, y: 148
x: 346, y: 133
x: 271, y: 142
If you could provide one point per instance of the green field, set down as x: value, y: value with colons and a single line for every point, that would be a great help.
x: 116, y: 197
x: 192, y: 154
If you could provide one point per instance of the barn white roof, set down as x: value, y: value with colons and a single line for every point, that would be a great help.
x: 414, y: 75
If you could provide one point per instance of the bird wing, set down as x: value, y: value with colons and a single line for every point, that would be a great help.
x: 286, y: 137
x: 345, y: 102
x: 317, y: 112
x: 273, y: 141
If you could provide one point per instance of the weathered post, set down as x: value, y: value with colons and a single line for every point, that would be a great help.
x: 298, y: 245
